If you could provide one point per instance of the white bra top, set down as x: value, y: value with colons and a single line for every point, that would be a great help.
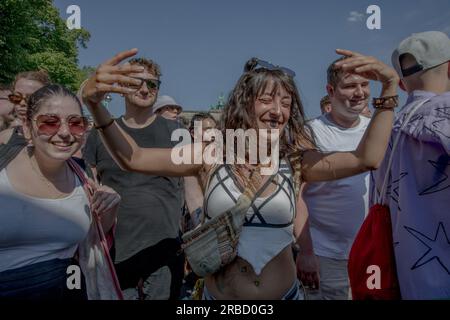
x: 268, y: 226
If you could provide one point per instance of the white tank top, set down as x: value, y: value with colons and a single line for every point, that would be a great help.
x: 268, y: 226
x: 34, y: 229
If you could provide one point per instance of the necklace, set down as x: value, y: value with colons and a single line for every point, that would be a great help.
x: 45, y: 180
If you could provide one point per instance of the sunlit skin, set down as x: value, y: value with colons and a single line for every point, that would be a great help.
x: 143, y: 97
x: 61, y: 145
x: 366, y: 112
x: 44, y: 164
x: 271, y: 111
x: 348, y: 99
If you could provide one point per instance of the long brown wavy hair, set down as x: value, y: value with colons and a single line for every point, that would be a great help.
x: 239, y: 112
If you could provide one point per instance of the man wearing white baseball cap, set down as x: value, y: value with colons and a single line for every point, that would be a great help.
x: 166, y: 107
x: 419, y: 178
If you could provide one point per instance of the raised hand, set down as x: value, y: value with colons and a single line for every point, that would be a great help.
x: 111, y: 76
x: 367, y: 67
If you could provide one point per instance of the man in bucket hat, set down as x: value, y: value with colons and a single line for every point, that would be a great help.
x: 166, y: 107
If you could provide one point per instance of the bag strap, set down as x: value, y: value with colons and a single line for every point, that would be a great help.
x: 413, y: 109
x: 242, y: 203
x: 96, y: 220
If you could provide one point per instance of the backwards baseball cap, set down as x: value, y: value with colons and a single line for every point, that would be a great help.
x: 163, y: 101
x: 430, y: 49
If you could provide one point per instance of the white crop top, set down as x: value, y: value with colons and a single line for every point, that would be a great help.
x: 268, y: 226
x: 34, y: 229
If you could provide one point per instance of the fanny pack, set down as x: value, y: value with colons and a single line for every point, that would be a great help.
x: 213, y: 244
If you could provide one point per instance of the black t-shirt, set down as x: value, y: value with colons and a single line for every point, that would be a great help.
x: 150, y: 210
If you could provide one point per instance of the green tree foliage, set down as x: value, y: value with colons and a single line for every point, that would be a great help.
x: 33, y: 36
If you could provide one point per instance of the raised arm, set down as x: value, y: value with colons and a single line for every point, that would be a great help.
x: 114, y: 77
x: 370, y: 152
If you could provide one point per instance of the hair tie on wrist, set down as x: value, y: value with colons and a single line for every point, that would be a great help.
x: 104, y: 126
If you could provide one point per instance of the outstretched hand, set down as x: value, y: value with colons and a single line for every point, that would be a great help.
x: 111, y: 76
x: 367, y: 67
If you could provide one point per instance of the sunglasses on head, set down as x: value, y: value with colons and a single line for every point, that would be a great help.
x: 152, y: 84
x: 17, y: 97
x: 261, y: 64
x: 49, y: 124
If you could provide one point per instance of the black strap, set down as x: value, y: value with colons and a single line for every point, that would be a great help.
x: 263, y: 187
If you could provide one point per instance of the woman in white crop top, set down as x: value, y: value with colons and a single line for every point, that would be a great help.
x: 265, y: 97
x: 45, y: 211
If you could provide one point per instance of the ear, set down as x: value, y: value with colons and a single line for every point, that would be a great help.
x: 401, y: 85
x: 330, y: 90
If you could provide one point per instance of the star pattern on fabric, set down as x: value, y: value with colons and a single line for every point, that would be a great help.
x: 441, y: 179
x: 441, y: 123
x: 392, y: 189
x: 432, y: 253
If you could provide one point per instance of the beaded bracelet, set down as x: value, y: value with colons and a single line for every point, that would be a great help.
x: 380, y: 103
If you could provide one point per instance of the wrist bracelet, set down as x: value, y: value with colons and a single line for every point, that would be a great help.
x: 389, y: 102
x: 104, y: 126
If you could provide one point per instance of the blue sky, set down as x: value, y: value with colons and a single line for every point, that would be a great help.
x: 202, y: 45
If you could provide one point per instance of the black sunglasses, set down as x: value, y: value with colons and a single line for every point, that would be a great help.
x: 269, y: 66
x: 151, y: 84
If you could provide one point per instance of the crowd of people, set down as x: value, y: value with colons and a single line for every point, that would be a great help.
x: 63, y: 179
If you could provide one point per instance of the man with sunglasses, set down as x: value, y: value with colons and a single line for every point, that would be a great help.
x: 146, y: 239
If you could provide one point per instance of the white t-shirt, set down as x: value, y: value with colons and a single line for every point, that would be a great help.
x: 336, y: 208
x: 35, y: 230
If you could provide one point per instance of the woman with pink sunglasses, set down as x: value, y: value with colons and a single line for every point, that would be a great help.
x: 46, y: 213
